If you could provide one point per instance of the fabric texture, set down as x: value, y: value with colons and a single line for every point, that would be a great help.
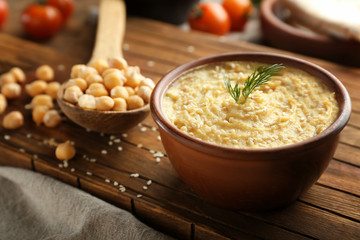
x: 34, y: 206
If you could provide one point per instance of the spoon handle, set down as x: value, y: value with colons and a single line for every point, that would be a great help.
x: 110, y: 30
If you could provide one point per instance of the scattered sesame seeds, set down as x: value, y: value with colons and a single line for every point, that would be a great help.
x: 60, y: 165
x: 139, y: 145
x: 149, y: 182
x: 150, y: 63
x: 120, y: 148
x: 61, y: 67
x: 92, y: 160
x: 143, y: 129
x: 158, y: 154
x: 190, y: 48
x: 126, y: 47
x: 107, y: 180
x: 72, y: 170
x: 117, y: 140
x: 122, y: 188
x: 139, y: 195
x: 158, y: 138
x: 145, y: 187
x: 110, y: 143
x: 116, y: 183
x: 157, y: 159
x: 28, y: 135
x: 112, y: 137
x: 66, y: 164
x: 104, y: 151
x: 7, y: 137
x: 135, y: 175
x: 124, y: 135
x: 154, y: 129
x: 152, y: 151
x: 22, y: 150
x: 89, y: 173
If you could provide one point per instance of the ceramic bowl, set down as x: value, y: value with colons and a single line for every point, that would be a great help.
x: 250, y: 179
x: 278, y: 33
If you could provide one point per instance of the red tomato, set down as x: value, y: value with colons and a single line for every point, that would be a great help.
x: 4, y: 10
x: 41, y: 21
x: 210, y: 17
x: 239, y: 12
x: 66, y: 7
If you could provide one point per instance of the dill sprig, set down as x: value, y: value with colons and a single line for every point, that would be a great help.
x: 259, y: 77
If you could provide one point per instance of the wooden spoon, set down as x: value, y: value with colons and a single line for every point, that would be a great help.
x: 109, y: 37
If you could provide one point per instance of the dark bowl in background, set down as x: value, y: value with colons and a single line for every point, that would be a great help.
x: 170, y: 11
x: 279, y: 34
x: 250, y: 179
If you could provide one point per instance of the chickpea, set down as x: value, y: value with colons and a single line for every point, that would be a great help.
x: 65, y: 151
x: 13, y: 120
x: 134, y: 102
x: 36, y: 87
x: 118, y: 62
x: 147, y: 82
x: 119, y: 91
x: 18, y: 74
x: 104, y: 103
x: 11, y: 90
x: 76, y: 70
x: 81, y: 83
x: 94, y: 78
x: 87, y: 101
x: 87, y: 71
x: 42, y: 99
x: 38, y: 113
x: 110, y: 70
x: 7, y: 78
x: 52, y: 89
x: 133, y: 76
x: 100, y: 65
x: 113, y: 79
x: 52, y: 118
x: 130, y: 90
x: 97, y: 90
x: 3, y: 103
x: 119, y: 105
x: 145, y: 93
x: 72, y: 94
x: 44, y: 72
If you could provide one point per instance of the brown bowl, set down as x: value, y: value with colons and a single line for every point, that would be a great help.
x: 250, y: 179
x: 278, y: 33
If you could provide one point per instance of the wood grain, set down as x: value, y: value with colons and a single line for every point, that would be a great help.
x: 329, y: 210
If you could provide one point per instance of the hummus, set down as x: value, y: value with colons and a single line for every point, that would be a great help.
x: 291, y: 107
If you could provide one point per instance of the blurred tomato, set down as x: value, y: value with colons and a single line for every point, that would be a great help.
x: 210, y: 17
x: 66, y: 7
x: 239, y: 12
x: 4, y: 11
x: 41, y: 21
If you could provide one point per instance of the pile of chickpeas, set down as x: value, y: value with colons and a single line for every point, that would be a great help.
x: 108, y: 85
x: 43, y: 90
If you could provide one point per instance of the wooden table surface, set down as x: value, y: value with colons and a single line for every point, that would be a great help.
x: 329, y: 210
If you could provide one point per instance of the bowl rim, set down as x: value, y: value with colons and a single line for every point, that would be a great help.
x: 218, y: 150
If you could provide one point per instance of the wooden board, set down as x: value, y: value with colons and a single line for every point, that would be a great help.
x: 329, y: 210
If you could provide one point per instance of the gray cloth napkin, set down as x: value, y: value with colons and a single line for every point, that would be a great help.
x: 34, y: 206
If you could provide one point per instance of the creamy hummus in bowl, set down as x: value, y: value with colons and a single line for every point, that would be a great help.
x: 259, y: 154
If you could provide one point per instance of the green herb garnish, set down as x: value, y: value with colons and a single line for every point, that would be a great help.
x: 259, y: 77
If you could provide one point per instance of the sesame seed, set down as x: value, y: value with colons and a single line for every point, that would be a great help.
x: 104, y: 151
x: 28, y: 135
x: 149, y: 182
x: 117, y: 140
x: 143, y: 129
x: 72, y: 169
x: 139, y: 196
x: 27, y: 106
x: 7, y: 137
x: 89, y: 173
x: 116, y: 183
x: 145, y: 187
x: 22, y: 150
x: 135, y: 175
x: 152, y: 151
x: 66, y: 164
x: 84, y: 156
x: 119, y: 148
x: 150, y: 63
x: 112, y: 137
x: 92, y: 160
x: 158, y: 138
x: 107, y: 180
x: 35, y: 156
x: 60, y: 165
x: 124, y: 135
x: 157, y: 159
x: 139, y: 124
x: 154, y: 129
x: 158, y: 154
x: 126, y: 47
x: 190, y: 48
x: 139, y: 145
x: 110, y: 143
x: 122, y: 188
